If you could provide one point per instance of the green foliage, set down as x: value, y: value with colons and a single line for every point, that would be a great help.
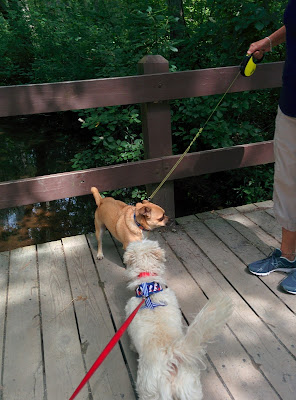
x: 116, y: 137
x: 128, y: 195
x: 84, y: 39
x: 256, y: 186
x: 238, y: 120
x: 220, y: 32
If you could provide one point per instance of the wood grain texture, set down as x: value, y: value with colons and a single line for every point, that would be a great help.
x: 191, y: 299
x: 229, y: 354
x: 82, y: 302
x: 4, y: 265
x: 64, y: 366
x: 251, y: 231
x: 112, y: 274
x: 278, y: 320
x: 266, y: 222
x: 95, y: 324
x: 23, y: 339
x: 258, y: 239
x: 62, y: 96
x: 78, y: 183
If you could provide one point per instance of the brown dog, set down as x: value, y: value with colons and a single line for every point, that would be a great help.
x: 126, y: 223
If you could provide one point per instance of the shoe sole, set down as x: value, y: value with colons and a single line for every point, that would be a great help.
x: 288, y: 291
x: 274, y: 270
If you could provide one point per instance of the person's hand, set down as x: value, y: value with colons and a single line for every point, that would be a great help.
x: 259, y: 48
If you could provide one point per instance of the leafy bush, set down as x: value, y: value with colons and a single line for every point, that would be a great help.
x: 257, y: 185
x: 85, y: 39
x: 115, y: 138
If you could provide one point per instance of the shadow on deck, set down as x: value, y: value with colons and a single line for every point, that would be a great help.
x: 59, y: 307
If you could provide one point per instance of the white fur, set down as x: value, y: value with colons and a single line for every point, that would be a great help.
x: 170, y: 359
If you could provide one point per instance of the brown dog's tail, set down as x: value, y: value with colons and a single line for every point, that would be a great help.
x: 96, y: 195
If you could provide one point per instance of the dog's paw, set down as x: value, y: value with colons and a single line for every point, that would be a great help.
x: 100, y: 256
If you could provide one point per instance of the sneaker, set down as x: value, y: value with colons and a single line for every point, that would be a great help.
x: 275, y: 262
x: 289, y: 283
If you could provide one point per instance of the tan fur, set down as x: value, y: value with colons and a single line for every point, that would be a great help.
x: 118, y: 218
x: 170, y: 355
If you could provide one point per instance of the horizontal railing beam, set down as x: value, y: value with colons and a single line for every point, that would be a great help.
x: 78, y: 183
x: 63, y: 96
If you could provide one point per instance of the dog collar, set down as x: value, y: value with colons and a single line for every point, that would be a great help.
x: 144, y: 274
x: 139, y: 225
x: 146, y: 290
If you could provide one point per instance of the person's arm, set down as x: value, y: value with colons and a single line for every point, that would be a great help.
x: 267, y: 44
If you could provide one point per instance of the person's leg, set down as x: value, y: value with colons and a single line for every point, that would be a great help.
x: 288, y: 246
x: 284, y: 197
x: 284, y: 190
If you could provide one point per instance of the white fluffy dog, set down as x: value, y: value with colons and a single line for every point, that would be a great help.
x: 169, y: 359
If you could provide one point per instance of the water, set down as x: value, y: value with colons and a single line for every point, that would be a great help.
x: 44, y: 144
x: 34, y: 146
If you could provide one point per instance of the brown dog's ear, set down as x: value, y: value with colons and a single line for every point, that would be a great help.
x: 145, y: 201
x: 142, y: 210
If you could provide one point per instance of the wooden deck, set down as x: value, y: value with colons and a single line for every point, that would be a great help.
x: 59, y: 307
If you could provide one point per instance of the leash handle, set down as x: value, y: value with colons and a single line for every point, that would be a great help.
x: 248, y: 65
x: 107, y: 350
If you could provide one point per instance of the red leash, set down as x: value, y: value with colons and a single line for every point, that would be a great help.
x: 106, y: 350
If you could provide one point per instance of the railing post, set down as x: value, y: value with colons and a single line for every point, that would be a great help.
x: 157, y: 133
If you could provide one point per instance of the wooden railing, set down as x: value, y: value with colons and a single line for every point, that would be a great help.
x: 152, y: 88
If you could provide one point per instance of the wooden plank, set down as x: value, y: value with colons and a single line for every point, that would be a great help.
x: 112, y: 275
x: 267, y: 206
x: 111, y: 381
x: 213, y: 385
x: 62, y: 352
x: 23, y: 367
x: 247, y: 252
x: 269, y: 355
x: 156, y: 116
x: 277, y: 317
x: 270, y: 211
x: 78, y: 183
x: 244, y: 361
x: 191, y: 300
x: 4, y: 265
x: 251, y: 231
x: 62, y: 96
x: 266, y: 222
x: 156, y: 123
x: 246, y: 208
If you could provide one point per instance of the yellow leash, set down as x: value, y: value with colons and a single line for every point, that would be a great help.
x: 193, y: 140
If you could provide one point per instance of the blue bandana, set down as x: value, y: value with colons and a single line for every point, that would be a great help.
x: 145, y: 290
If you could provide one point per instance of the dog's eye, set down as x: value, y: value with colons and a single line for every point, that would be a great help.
x: 161, y: 219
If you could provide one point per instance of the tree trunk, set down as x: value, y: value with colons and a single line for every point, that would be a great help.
x: 3, y: 9
x: 176, y: 10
